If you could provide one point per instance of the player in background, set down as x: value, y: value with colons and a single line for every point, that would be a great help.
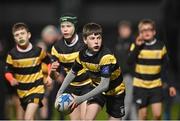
x: 65, y: 52
x: 49, y: 35
x: 23, y: 70
x: 124, y: 40
x: 149, y: 56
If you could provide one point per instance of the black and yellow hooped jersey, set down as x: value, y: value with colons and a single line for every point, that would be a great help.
x: 148, y: 64
x: 67, y: 55
x: 102, y: 64
x: 26, y: 68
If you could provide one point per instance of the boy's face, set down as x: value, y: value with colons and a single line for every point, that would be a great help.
x: 93, y: 42
x: 147, y: 32
x: 22, y: 37
x: 67, y: 29
x: 124, y: 32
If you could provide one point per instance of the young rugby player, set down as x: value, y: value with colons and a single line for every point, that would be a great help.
x: 65, y: 51
x: 23, y: 70
x: 149, y: 56
x: 101, y: 65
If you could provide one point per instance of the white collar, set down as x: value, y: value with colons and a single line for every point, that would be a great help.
x: 88, y: 53
x: 150, y: 43
x: 74, y: 41
x: 25, y: 50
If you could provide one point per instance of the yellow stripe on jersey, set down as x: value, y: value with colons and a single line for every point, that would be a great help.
x: 107, y: 59
x: 150, y: 54
x: 67, y: 69
x: 81, y: 83
x: 54, y: 52
x: 9, y: 59
x: 116, y: 91
x: 36, y: 100
x: 65, y: 58
x: 81, y: 72
x: 43, y: 54
x: 147, y: 69
x: 27, y: 62
x: 68, y: 58
x: 44, y: 68
x: 91, y: 66
x: 78, y: 60
x: 132, y: 47
x: 147, y: 84
x: 29, y: 78
x: 25, y: 93
x: 44, y: 71
x: 164, y: 51
x: 115, y: 74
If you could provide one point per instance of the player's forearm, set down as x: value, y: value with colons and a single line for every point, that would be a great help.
x: 54, y: 70
x: 9, y: 73
x: 9, y: 76
x: 67, y: 80
x: 103, y: 86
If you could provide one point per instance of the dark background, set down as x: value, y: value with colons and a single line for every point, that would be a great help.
x: 39, y: 13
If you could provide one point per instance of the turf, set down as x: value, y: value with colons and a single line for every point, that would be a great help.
x: 175, y: 112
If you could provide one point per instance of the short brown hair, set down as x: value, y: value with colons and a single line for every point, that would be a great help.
x: 147, y: 21
x: 124, y: 24
x: 91, y: 28
x: 19, y: 26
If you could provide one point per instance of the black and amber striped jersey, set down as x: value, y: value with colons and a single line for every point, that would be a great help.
x: 66, y: 55
x: 148, y: 59
x: 26, y: 69
x: 101, y: 64
x: 44, y: 67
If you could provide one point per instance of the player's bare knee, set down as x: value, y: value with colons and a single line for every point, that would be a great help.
x: 28, y: 118
x: 143, y: 116
x: 157, y: 116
